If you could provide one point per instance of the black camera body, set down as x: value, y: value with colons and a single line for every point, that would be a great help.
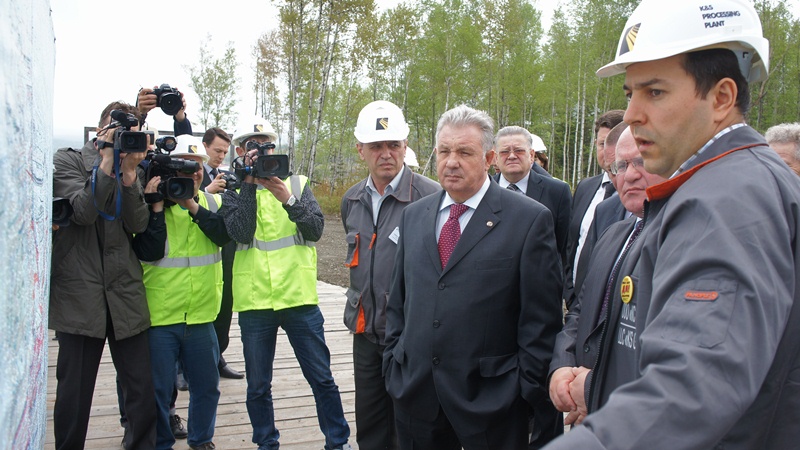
x: 231, y: 182
x: 168, y: 99
x: 125, y: 140
x: 62, y: 211
x: 266, y: 165
x: 162, y: 165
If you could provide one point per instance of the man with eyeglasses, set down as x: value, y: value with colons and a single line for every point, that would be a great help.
x: 515, y: 162
x: 578, y: 343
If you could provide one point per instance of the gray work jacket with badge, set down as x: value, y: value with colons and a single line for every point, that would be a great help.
x: 371, y: 250
x: 715, y: 283
x: 95, y: 272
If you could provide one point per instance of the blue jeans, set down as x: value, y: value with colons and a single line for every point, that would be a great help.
x: 197, y: 349
x: 303, y: 326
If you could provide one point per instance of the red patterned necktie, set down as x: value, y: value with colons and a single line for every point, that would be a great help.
x: 451, y: 232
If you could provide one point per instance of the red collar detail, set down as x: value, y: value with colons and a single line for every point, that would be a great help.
x: 667, y: 188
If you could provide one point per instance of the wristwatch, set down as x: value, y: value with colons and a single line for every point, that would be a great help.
x: 292, y: 200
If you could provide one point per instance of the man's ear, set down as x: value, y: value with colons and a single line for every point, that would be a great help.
x: 723, y: 95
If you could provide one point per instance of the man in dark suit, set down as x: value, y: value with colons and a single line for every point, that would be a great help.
x: 217, y: 144
x: 514, y: 160
x: 588, y: 194
x: 584, y: 324
x: 608, y: 212
x: 474, y: 303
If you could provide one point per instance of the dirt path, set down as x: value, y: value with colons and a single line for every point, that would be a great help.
x: 331, y: 252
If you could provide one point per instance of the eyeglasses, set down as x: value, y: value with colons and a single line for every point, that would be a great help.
x: 621, y: 166
x: 518, y: 152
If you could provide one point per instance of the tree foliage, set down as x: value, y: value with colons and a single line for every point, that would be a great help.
x: 214, y: 81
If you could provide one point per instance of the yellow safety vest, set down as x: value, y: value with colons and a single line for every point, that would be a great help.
x: 278, y: 269
x: 185, y: 286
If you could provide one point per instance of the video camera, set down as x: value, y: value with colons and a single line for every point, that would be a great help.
x: 125, y: 140
x: 265, y: 166
x: 168, y: 99
x: 160, y: 164
x: 62, y: 211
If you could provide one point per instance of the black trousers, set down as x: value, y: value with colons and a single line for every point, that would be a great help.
x: 507, y: 431
x: 76, y: 372
x: 222, y: 324
x: 546, y: 423
x: 374, y: 410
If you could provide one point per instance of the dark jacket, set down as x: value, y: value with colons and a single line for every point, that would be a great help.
x: 371, y: 262
x: 95, y: 271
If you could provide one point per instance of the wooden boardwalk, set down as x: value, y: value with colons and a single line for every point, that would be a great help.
x: 294, y: 404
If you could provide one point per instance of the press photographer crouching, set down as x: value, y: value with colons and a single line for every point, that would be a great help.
x: 96, y: 289
x: 183, y: 277
x: 275, y: 283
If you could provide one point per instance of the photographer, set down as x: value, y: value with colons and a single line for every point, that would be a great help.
x: 172, y: 103
x: 96, y: 289
x: 183, y: 277
x: 275, y: 280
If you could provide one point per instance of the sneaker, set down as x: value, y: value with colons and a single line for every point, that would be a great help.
x: 344, y: 447
x: 178, y: 430
x: 206, y: 446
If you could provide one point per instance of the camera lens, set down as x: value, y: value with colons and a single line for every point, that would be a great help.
x: 271, y: 165
x: 170, y: 103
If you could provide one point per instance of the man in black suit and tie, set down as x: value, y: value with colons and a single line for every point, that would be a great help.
x: 474, y: 303
x: 577, y: 345
x: 217, y: 144
x: 588, y: 194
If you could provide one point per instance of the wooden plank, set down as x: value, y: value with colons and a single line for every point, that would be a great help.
x: 295, y: 411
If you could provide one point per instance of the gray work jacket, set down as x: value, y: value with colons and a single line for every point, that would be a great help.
x: 371, y: 250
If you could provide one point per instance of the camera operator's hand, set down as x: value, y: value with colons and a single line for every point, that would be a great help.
x: 277, y: 187
x: 128, y: 163
x: 217, y: 185
x: 152, y: 188
x: 180, y: 116
x: 146, y: 100
x: 189, y: 204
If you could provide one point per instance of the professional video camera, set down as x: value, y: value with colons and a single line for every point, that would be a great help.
x: 160, y: 164
x: 265, y: 166
x: 125, y: 140
x: 168, y: 99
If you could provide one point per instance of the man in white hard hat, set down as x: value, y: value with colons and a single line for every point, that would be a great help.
x: 371, y: 212
x: 702, y: 346
x: 539, y: 156
x: 180, y: 254
x: 276, y: 223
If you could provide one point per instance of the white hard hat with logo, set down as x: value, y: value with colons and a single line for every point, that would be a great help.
x: 189, y: 145
x: 255, y: 126
x: 659, y: 29
x: 538, y: 144
x: 381, y: 121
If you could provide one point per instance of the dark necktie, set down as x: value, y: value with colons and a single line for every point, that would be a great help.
x: 513, y: 187
x: 615, y: 271
x: 214, y: 173
x: 609, y: 187
x: 451, y: 232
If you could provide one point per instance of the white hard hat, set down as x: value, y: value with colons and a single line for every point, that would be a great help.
x: 538, y: 144
x: 411, y: 158
x: 381, y: 121
x: 254, y: 126
x: 189, y: 145
x: 658, y: 30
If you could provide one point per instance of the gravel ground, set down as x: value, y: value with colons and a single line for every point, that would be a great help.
x: 331, y: 252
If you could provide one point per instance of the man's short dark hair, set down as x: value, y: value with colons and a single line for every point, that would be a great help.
x: 215, y: 132
x: 707, y: 67
x: 105, y: 116
x: 609, y: 120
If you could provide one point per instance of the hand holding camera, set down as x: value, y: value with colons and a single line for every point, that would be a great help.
x: 168, y: 98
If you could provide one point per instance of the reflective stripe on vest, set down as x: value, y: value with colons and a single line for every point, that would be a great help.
x: 192, y: 261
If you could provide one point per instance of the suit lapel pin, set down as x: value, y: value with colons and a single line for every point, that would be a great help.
x: 490, y: 224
